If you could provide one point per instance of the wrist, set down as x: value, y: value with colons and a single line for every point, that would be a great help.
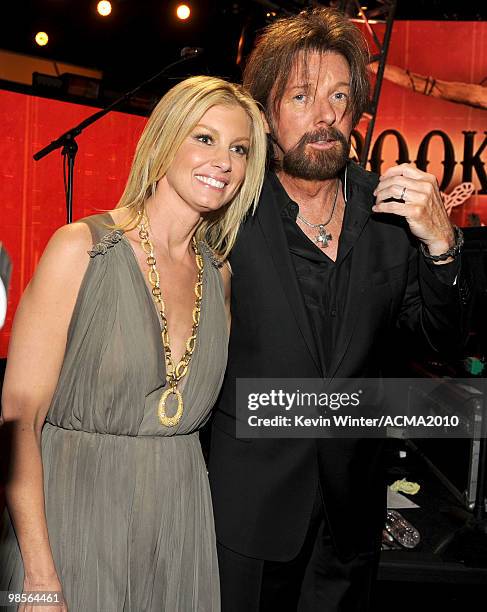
x: 443, y: 251
x: 36, y: 580
x: 439, y: 246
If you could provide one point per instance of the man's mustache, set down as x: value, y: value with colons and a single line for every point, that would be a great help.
x: 320, y: 136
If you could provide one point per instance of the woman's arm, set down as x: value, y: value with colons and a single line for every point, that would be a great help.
x: 227, y: 284
x: 35, y: 357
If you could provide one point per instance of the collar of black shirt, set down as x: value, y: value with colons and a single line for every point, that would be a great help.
x: 360, y: 185
x: 285, y: 204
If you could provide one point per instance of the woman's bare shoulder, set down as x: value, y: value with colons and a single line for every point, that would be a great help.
x: 65, y: 257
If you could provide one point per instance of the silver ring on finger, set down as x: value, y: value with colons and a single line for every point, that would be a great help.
x: 403, y: 193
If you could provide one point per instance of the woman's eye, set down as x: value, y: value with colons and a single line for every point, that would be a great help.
x: 240, y: 149
x: 204, y: 138
x: 340, y: 96
x: 300, y: 97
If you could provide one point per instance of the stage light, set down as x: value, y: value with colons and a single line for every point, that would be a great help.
x: 183, y: 12
x: 104, y: 8
x: 41, y: 39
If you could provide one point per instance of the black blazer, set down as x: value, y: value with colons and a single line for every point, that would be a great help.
x: 263, y: 489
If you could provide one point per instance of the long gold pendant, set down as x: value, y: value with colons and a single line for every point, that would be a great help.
x: 173, y: 373
x: 165, y: 420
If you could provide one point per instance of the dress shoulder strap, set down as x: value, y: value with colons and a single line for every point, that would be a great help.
x: 103, y: 236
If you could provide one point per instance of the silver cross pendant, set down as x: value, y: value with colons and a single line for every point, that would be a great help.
x: 323, y: 238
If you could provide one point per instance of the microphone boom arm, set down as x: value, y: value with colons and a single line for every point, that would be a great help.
x: 67, y: 140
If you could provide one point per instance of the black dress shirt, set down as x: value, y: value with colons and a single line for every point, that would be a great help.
x: 324, y: 282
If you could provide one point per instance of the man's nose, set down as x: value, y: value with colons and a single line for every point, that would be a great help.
x: 324, y: 113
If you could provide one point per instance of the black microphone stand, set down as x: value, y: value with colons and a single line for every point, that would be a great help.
x: 68, y: 140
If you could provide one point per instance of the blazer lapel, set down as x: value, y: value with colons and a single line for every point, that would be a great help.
x: 361, y: 201
x: 268, y: 217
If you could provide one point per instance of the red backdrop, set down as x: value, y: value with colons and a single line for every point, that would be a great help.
x: 32, y: 197
x: 450, y: 51
x: 32, y: 193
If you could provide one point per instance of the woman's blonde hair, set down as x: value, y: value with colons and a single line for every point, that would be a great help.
x: 176, y: 114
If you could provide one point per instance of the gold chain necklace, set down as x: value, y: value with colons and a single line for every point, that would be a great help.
x: 173, y: 373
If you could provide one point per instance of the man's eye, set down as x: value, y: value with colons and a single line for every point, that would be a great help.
x: 339, y: 95
x: 240, y: 149
x: 300, y: 97
x: 204, y: 138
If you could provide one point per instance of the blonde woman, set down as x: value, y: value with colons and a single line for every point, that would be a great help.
x: 108, y: 493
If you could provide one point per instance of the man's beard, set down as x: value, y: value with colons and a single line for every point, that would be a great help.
x: 317, y: 165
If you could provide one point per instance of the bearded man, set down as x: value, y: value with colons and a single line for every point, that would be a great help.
x: 332, y: 261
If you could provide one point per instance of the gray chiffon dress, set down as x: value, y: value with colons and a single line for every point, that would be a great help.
x: 128, y: 503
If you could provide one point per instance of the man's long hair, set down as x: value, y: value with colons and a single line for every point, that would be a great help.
x: 318, y: 30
